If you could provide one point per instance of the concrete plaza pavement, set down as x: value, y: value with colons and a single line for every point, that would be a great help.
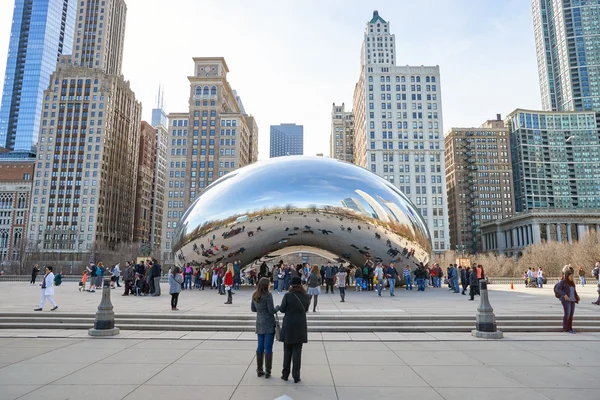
x: 64, y: 364
x: 19, y: 297
x: 430, y: 367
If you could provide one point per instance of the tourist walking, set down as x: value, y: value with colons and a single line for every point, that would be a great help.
x: 34, y: 273
x: 467, y: 281
x: 420, y: 276
x: 156, y: 276
x: 115, y: 272
x: 93, y: 275
x: 406, y: 276
x: 48, y: 290
x: 329, y: 276
x: 280, y: 279
x: 294, y: 331
x: 262, y: 305
x: 392, y: 275
x: 358, y: 277
x: 187, y: 277
x: 203, y: 277
x: 128, y: 277
x: 473, y: 283
x: 566, y: 291
x: 83, y: 281
x: 378, y: 276
x: 341, y: 283
x: 228, y: 283
x: 582, y: 276
x: 314, y: 286
x: 175, y: 281
x: 540, y: 278
x: 215, y: 276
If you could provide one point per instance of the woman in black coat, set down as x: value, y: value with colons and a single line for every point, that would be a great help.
x: 294, y: 331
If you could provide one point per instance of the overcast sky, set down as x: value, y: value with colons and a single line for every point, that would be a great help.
x: 290, y: 60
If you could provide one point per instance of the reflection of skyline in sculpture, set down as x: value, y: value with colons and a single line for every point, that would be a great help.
x: 378, y: 210
x: 354, y: 204
x: 314, y: 203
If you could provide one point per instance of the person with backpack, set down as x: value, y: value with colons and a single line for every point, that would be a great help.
x: 100, y: 269
x: 58, y: 279
x: 566, y: 291
x: 329, y: 275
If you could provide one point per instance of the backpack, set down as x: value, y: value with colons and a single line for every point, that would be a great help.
x: 365, y: 271
x: 99, y: 271
x: 556, y: 293
x: 595, y: 272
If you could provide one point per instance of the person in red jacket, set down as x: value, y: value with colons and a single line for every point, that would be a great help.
x: 228, y: 282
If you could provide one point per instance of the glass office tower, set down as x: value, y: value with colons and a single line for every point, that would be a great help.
x: 41, y: 31
x: 287, y: 140
x: 567, y: 40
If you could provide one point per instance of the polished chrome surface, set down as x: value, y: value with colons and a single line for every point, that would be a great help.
x: 298, y: 203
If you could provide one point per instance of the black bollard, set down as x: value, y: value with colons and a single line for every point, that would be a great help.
x: 104, y: 324
x: 486, y: 320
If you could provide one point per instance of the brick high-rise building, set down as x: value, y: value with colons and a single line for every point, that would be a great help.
x: 15, y: 196
x: 86, y: 168
x: 145, y: 184
x: 478, y: 181
x: 214, y: 137
x: 341, y: 141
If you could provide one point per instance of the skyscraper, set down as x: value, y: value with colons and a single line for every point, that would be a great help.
x: 479, y: 181
x: 567, y: 42
x: 556, y: 159
x: 287, y: 140
x: 87, y: 159
x: 398, y: 127
x: 341, y: 141
x: 41, y: 31
x: 160, y: 125
x: 214, y: 137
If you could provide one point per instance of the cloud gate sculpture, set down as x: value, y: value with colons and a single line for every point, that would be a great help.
x: 302, y: 204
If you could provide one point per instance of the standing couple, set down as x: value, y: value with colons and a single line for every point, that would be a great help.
x: 294, y: 331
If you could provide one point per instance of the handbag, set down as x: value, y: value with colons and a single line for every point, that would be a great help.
x: 278, y: 336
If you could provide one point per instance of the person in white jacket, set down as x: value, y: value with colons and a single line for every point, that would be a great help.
x: 47, y: 290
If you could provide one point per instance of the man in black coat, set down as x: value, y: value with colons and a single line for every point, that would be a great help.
x: 473, y: 283
x: 156, y: 273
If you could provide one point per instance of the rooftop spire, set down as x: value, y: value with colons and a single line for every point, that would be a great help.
x: 377, y: 18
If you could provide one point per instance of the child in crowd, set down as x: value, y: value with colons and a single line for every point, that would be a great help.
x: 83, y: 281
